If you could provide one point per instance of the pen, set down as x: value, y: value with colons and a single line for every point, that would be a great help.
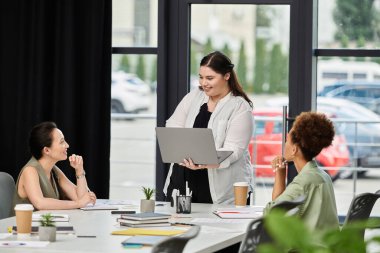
x: 122, y: 212
x: 181, y: 223
x: 86, y: 236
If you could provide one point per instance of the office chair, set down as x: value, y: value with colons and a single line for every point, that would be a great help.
x: 7, y: 189
x: 176, y: 244
x: 360, y: 208
x: 256, y: 232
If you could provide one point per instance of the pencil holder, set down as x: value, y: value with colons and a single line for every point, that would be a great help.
x: 183, y: 204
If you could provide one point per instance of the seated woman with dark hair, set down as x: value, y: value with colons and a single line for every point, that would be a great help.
x: 311, y: 132
x: 41, y: 183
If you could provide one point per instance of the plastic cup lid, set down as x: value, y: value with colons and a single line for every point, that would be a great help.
x: 241, y: 184
x: 24, y: 207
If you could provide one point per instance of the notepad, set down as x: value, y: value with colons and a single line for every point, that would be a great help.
x: 143, y: 240
x: 57, y: 217
x: 143, y: 231
x: 60, y: 229
x: 240, y: 213
x: 146, y: 216
x: 101, y: 206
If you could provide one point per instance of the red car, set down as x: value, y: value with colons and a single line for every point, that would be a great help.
x: 267, y: 142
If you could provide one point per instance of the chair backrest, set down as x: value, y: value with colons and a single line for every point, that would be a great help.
x: 256, y: 232
x: 176, y: 244
x: 361, y: 208
x: 253, y: 236
x: 7, y: 189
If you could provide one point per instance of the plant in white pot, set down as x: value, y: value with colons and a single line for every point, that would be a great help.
x: 147, y: 204
x: 47, y: 230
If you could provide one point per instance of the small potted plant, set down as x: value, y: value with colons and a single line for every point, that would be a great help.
x: 147, y: 204
x: 47, y: 230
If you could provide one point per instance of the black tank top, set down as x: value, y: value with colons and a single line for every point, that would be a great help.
x: 197, y: 179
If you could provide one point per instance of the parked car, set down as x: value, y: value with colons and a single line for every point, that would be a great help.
x: 129, y: 94
x: 361, y: 92
x: 267, y: 142
x: 362, y: 138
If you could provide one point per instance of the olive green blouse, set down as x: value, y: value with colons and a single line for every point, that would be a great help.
x: 319, y: 210
x: 49, y: 189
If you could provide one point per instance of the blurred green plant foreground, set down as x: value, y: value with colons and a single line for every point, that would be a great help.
x: 290, y: 234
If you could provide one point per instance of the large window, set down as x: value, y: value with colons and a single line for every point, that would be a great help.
x: 260, y: 53
x: 133, y: 97
x: 348, y: 84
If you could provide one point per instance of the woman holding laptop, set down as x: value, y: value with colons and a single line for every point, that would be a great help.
x: 221, y: 105
x: 41, y: 183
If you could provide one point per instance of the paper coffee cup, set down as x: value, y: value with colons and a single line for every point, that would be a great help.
x: 24, y: 218
x: 240, y: 191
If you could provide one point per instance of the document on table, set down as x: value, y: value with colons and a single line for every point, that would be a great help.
x: 217, y: 220
x: 57, y: 217
x: 249, y: 212
x: 143, y: 231
x: 4, y: 235
x: 23, y: 244
x: 99, y: 206
x: 107, y: 204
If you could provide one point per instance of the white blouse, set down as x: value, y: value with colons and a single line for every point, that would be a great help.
x: 232, y: 124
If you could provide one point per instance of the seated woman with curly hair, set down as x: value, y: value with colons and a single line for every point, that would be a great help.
x: 311, y: 132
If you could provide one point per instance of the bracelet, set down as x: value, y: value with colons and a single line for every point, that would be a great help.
x: 81, y: 175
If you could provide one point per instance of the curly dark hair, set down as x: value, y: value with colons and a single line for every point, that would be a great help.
x: 312, y: 132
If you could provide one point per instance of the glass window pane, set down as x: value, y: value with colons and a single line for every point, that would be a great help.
x: 350, y: 99
x: 260, y: 53
x: 349, y: 24
x: 133, y: 103
x: 134, y: 23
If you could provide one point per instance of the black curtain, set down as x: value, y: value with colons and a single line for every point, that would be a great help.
x: 55, y: 64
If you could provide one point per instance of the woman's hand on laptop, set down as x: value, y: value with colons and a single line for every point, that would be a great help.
x: 188, y: 163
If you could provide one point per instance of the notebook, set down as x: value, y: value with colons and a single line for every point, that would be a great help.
x: 198, y: 144
x: 144, y: 239
x: 146, y: 216
x: 57, y: 217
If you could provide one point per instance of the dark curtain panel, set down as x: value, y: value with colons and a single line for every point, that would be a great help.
x: 55, y: 64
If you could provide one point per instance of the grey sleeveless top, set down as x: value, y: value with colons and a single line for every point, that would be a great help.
x: 49, y: 190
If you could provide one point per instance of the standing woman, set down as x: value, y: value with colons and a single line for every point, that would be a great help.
x: 41, y: 183
x: 220, y: 104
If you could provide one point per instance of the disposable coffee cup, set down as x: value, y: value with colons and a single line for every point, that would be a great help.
x: 24, y: 219
x: 240, y: 191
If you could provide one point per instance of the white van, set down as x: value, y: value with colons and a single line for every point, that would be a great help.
x: 331, y: 71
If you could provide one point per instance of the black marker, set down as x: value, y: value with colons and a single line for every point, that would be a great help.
x: 122, y: 212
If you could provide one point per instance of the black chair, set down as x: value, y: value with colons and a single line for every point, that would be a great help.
x: 7, y: 189
x: 360, y: 208
x: 176, y: 244
x: 256, y: 232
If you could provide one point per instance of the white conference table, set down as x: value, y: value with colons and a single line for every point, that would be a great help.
x: 214, y: 234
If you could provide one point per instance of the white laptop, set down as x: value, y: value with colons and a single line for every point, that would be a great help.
x: 198, y: 144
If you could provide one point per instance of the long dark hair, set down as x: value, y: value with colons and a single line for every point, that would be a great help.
x: 221, y: 64
x: 40, y: 137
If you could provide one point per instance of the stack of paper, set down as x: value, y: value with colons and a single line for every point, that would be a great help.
x: 145, y: 231
x: 57, y: 217
x: 142, y: 240
x: 60, y: 229
x: 240, y: 213
x: 144, y: 220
